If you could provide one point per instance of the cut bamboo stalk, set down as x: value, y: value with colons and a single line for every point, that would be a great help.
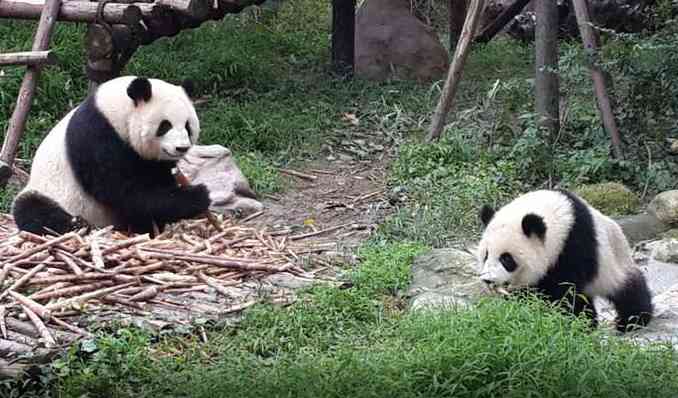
x: 87, y: 296
x: 37, y: 308
x: 70, y: 291
x: 42, y: 329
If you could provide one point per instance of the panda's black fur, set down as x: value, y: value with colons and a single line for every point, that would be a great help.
x: 138, y: 191
x: 577, y: 266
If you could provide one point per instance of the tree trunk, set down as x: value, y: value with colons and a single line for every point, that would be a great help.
x: 546, y: 44
x: 343, y: 36
x: 590, y: 39
x: 457, y: 15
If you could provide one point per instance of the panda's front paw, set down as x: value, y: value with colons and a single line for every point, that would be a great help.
x: 78, y: 222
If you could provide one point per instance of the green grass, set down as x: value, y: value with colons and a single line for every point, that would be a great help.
x: 355, y: 342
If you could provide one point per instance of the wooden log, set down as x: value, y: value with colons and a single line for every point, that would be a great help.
x: 73, y: 11
x: 456, y: 70
x: 28, y: 58
x: 590, y: 39
x: 506, y: 16
x: 343, y: 36
x: 17, y: 122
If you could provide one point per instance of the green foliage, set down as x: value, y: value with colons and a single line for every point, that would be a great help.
x: 386, y: 267
x: 260, y: 173
x: 613, y: 199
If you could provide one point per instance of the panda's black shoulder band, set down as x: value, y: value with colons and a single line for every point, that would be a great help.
x: 139, y: 90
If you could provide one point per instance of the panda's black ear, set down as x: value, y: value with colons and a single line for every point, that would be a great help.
x: 139, y: 90
x: 486, y: 214
x: 534, y: 224
x: 189, y: 87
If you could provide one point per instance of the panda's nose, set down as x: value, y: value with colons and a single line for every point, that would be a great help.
x: 182, y: 149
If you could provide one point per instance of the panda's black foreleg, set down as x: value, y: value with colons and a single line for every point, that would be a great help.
x: 575, y: 302
x: 164, y: 206
x: 633, y: 303
x: 36, y: 213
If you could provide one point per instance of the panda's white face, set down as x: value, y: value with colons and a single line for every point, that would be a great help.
x: 523, y: 239
x: 155, y: 117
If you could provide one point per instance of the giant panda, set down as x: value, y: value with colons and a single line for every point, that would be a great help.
x: 554, y: 243
x: 109, y: 161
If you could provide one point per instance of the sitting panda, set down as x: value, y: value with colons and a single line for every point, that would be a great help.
x: 555, y: 243
x: 109, y: 161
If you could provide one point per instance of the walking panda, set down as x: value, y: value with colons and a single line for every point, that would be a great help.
x: 555, y: 242
x: 109, y: 162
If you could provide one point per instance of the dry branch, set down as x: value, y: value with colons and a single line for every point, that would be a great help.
x: 37, y: 308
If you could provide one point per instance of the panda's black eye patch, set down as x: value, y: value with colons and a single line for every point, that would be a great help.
x: 164, y: 127
x: 508, y: 262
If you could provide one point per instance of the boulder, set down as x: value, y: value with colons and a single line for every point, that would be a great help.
x: 444, y: 278
x: 214, y: 166
x: 390, y: 42
x: 665, y: 207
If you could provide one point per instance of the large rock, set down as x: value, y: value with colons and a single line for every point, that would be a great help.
x: 665, y: 207
x: 214, y: 166
x: 444, y: 278
x: 390, y: 42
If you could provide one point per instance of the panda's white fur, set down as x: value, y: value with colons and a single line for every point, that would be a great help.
x: 547, y: 237
x: 123, y: 113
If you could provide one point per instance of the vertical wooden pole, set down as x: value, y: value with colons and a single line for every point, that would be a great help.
x: 546, y: 82
x: 455, y: 72
x: 343, y: 36
x: 590, y: 40
x: 17, y: 122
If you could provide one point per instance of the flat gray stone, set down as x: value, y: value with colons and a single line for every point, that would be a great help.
x: 641, y: 227
x: 665, y: 206
x: 443, y: 278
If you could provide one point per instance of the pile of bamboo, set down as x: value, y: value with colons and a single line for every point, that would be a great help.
x: 48, y: 283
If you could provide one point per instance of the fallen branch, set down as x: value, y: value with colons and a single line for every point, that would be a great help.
x: 299, y: 174
x: 42, y: 329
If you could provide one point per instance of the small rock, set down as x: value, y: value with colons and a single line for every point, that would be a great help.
x: 674, y: 147
x: 611, y: 198
x: 665, y: 206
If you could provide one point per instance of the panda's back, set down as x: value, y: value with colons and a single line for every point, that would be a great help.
x: 52, y: 175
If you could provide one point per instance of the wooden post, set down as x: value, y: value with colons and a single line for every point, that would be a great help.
x: 502, y: 20
x: 546, y: 76
x: 456, y: 16
x: 28, y: 58
x: 17, y: 122
x: 343, y: 36
x: 454, y: 74
x: 590, y: 40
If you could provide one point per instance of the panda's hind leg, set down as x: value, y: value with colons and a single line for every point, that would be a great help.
x: 633, y: 303
x: 36, y: 213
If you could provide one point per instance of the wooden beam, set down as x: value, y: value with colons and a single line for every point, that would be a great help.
x: 343, y: 36
x: 17, y: 122
x: 456, y: 70
x: 71, y: 11
x: 590, y: 39
x: 502, y: 20
x: 546, y: 65
x: 28, y: 58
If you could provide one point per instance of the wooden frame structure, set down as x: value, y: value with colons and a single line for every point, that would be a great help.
x: 116, y: 29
